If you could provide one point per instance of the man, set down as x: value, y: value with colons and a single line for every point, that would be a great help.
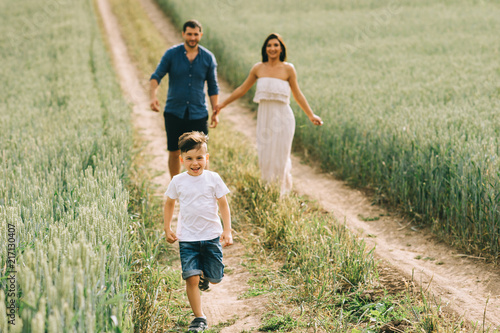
x: 189, y: 65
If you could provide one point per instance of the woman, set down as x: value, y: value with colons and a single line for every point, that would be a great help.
x: 275, y: 121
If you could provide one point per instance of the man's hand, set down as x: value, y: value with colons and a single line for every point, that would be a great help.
x: 155, y: 105
x: 214, y: 120
x: 215, y: 116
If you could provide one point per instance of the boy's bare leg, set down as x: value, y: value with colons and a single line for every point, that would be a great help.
x: 193, y: 294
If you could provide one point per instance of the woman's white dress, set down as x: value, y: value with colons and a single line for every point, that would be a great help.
x: 275, y: 129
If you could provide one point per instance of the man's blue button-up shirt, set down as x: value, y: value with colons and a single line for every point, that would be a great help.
x: 187, y: 81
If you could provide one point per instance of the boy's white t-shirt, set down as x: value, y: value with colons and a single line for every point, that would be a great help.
x: 198, y: 218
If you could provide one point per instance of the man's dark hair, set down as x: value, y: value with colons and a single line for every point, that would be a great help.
x: 192, y: 140
x: 192, y: 24
x: 282, y: 43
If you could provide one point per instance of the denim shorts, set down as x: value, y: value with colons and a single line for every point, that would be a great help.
x: 202, y: 256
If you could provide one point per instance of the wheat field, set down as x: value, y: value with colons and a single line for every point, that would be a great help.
x: 408, y: 90
x: 65, y: 143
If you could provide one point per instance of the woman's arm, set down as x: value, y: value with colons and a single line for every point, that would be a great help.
x: 299, y: 96
x: 241, y: 90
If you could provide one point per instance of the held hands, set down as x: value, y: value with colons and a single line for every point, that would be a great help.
x: 214, y: 121
x: 170, y: 236
x: 226, y: 239
x: 216, y: 109
x: 316, y: 120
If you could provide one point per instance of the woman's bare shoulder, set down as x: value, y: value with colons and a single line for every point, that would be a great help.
x: 257, y: 68
x: 290, y: 69
x: 258, y: 65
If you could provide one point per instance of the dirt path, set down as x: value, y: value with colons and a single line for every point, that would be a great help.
x: 465, y: 285
x: 221, y: 303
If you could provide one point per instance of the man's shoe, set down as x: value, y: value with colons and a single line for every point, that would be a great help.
x: 198, y: 325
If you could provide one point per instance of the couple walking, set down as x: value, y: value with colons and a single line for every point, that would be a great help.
x: 190, y: 65
x: 202, y: 193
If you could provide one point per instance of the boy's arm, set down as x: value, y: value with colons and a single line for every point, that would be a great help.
x: 226, y: 238
x: 168, y: 213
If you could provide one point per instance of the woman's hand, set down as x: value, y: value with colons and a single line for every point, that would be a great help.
x: 316, y: 120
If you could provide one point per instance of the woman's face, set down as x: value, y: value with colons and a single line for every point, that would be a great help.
x: 273, y: 48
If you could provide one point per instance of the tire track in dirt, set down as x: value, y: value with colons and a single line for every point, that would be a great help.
x: 464, y: 284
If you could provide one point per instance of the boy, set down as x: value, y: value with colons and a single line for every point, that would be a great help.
x: 199, y: 229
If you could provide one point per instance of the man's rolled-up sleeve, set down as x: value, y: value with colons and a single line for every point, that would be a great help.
x: 163, y: 68
x: 212, y: 82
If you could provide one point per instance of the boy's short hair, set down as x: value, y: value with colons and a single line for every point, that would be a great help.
x: 192, y: 140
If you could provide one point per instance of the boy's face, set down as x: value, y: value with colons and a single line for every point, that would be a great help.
x: 195, y: 160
